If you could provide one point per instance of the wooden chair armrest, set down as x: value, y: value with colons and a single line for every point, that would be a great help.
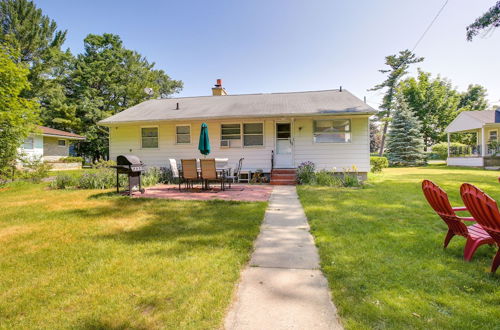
x: 459, y: 208
x: 467, y: 219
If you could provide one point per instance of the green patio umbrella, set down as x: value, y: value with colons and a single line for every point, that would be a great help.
x: 204, y: 145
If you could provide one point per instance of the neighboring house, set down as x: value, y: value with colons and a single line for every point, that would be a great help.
x: 49, y: 144
x: 329, y: 128
x: 485, y: 126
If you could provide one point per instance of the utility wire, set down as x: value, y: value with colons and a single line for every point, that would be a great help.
x: 430, y: 25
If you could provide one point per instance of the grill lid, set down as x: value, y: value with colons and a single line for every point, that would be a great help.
x: 128, y: 160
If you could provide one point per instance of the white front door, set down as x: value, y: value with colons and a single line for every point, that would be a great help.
x: 284, y: 145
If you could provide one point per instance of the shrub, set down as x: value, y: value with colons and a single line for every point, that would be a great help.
x: 63, y: 181
x: 101, y: 163
x: 34, y: 170
x: 71, y: 160
x: 305, y: 173
x: 102, y: 178
x: 440, y: 150
x: 378, y: 163
x: 152, y: 176
x: 326, y: 178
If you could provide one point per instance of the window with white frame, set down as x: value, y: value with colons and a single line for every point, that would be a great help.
x: 230, y: 131
x: 28, y: 143
x: 183, y: 134
x: 149, y: 137
x: 253, y: 134
x: 493, y: 136
x: 332, y: 131
x: 61, y: 143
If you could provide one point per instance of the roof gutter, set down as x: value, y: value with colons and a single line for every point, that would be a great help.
x: 64, y: 136
x: 111, y: 123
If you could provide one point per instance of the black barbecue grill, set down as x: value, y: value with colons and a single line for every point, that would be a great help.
x: 133, y: 167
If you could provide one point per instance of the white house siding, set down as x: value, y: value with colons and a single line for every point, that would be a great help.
x: 333, y: 155
x: 465, y: 161
x: 126, y: 139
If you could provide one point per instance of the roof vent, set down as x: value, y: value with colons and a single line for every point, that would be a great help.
x: 340, y: 89
x: 177, y: 106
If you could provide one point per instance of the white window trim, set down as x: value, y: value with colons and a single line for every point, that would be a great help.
x: 32, y: 143
x: 330, y: 119
x: 241, y: 132
x: 140, y: 136
x: 65, y: 143
x: 489, y: 133
x: 190, y: 135
x: 263, y: 134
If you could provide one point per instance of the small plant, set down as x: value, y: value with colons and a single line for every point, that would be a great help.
x: 326, y: 178
x: 350, y: 177
x: 257, y: 176
x: 305, y: 173
x: 64, y: 181
x: 378, y: 164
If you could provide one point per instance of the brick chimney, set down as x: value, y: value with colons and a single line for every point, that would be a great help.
x: 218, y: 90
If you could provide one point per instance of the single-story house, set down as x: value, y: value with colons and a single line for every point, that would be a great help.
x: 485, y: 126
x: 48, y: 144
x: 277, y: 130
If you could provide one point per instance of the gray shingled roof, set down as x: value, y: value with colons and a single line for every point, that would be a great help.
x: 329, y: 102
x: 484, y: 116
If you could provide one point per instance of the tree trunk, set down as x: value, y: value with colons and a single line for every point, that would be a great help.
x: 382, y: 143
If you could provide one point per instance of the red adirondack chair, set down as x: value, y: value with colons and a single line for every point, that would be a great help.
x: 475, y: 234
x: 485, y: 211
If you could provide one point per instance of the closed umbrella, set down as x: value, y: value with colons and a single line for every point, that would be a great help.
x: 204, y: 145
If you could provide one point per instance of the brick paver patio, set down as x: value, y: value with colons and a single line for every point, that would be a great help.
x: 238, y: 192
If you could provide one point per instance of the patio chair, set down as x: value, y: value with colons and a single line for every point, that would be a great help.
x: 485, y: 210
x: 475, y: 234
x: 175, y: 171
x: 209, y: 173
x: 189, y: 172
x: 235, y: 173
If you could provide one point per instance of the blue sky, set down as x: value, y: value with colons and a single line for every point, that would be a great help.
x: 289, y: 45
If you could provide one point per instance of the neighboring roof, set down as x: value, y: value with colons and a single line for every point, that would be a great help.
x: 469, y: 120
x: 329, y: 102
x: 47, y: 131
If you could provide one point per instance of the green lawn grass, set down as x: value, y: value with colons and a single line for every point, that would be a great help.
x: 91, y: 260
x: 381, y: 250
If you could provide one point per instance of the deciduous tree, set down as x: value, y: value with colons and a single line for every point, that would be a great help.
x: 107, y: 79
x: 17, y: 114
x: 433, y: 101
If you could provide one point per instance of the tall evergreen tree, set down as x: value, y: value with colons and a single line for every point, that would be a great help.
x: 17, y: 114
x: 405, y: 146
x: 398, y: 66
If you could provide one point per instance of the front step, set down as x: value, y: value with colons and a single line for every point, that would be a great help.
x: 284, y: 176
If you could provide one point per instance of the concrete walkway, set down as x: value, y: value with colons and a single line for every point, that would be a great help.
x: 283, y: 287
